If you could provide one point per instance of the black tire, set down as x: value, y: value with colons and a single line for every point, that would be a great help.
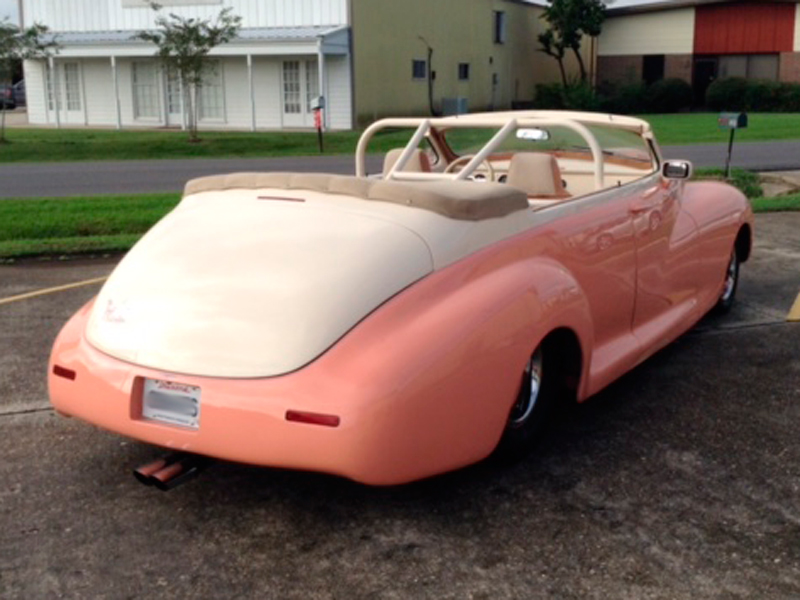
x: 728, y: 296
x: 530, y: 412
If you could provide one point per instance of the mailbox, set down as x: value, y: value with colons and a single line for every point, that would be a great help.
x: 732, y: 120
x: 317, y: 103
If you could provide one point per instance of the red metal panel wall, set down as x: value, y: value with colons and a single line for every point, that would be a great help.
x: 744, y: 28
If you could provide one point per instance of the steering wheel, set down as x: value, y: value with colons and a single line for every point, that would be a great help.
x: 485, y: 165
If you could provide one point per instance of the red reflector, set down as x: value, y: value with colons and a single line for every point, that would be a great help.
x: 65, y: 373
x: 312, y: 418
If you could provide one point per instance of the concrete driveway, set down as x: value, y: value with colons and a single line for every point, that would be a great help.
x: 682, y: 480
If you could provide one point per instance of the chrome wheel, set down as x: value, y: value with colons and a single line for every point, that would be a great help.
x: 730, y: 280
x: 532, y: 386
x: 728, y: 295
x: 537, y: 394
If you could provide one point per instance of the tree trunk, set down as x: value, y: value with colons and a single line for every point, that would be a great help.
x: 191, y: 110
x: 3, y: 139
x: 563, y: 70
x: 582, y: 66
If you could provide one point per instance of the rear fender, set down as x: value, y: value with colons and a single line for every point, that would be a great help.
x: 443, y: 360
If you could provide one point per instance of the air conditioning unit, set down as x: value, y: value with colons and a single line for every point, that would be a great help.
x: 454, y: 106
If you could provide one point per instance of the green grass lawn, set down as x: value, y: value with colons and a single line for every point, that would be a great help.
x: 47, y: 145
x: 701, y: 128
x: 79, y: 225
x: 51, y: 145
x: 105, y: 224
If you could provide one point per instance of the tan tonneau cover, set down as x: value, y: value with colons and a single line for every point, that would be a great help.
x: 461, y: 200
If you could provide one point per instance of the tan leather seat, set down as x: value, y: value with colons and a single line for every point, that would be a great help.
x: 537, y: 174
x: 418, y: 163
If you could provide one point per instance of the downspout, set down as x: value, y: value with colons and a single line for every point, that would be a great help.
x: 115, y: 73
x: 434, y: 112
x: 252, y: 92
x: 350, y: 43
x: 54, y: 82
x: 321, y: 81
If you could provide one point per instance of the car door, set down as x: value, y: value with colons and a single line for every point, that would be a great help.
x: 595, y: 239
x: 666, y: 285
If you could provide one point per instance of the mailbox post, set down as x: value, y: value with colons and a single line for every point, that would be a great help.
x: 318, y: 105
x: 731, y: 121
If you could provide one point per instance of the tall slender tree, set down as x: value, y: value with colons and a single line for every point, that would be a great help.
x: 569, y: 21
x: 16, y: 45
x: 183, y: 48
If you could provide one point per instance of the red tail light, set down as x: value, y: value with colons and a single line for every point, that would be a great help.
x: 59, y: 371
x: 312, y: 418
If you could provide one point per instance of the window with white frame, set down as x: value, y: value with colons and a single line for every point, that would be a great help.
x: 174, y: 93
x: 63, y: 81
x: 211, y: 95
x: 72, y: 86
x: 291, y: 87
x: 312, y: 82
x: 52, y: 91
x: 419, y: 69
x: 500, y: 32
x: 146, y: 104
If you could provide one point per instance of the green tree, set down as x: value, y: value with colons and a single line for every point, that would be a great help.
x: 16, y: 45
x: 569, y: 21
x: 183, y: 48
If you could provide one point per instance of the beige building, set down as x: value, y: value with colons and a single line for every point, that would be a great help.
x: 701, y: 40
x: 483, y: 52
x: 367, y: 58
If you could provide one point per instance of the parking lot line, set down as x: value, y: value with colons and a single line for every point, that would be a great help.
x: 52, y: 290
x: 794, y: 312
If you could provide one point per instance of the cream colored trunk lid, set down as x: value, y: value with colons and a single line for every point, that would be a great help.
x: 242, y: 287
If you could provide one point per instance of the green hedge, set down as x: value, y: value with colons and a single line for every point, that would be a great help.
x: 739, y: 94
x: 664, y: 96
x: 671, y: 96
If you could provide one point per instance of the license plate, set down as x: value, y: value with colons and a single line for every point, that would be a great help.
x: 171, y: 403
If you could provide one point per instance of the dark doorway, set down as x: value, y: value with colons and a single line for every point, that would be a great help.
x: 653, y: 68
x: 705, y: 71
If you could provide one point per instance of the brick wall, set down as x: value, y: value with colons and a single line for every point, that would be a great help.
x: 789, y: 69
x: 619, y: 69
x: 678, y: 66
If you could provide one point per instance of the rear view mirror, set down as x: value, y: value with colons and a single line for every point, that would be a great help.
x: 677, y: 169
x: 533, y: 134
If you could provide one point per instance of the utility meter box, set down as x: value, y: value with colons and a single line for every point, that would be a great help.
x: 732, y: 120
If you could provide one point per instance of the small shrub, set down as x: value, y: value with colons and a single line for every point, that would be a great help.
x: 580, y: 96
x: 669, y: 96
x: 747, y: 181
x: 627, y: 99
x: 763, y: 96
x: 727, y: 94
x: 550, y: 96
x: 575, y: 96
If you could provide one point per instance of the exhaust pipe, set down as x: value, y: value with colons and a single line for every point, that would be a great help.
x: 172, y: 470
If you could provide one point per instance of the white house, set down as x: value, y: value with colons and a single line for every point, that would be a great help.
x: 368, y: 58
x: 288, y: 52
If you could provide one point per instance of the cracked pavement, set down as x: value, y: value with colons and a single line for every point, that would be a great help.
x: 681, y: 480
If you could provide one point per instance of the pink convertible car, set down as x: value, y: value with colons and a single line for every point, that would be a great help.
x: 393, y: 326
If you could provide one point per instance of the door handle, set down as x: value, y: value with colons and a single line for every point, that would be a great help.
x: 648, y: 200
x: 640, y: 206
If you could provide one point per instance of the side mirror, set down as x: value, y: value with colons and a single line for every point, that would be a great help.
x: 677, y: 169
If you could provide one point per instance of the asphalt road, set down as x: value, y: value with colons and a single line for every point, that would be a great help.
x: 680, y: 481
x: 127, y: 177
